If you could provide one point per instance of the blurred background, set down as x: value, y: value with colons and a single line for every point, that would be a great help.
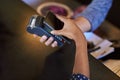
x: 19, y: 51
x: 110, y: 29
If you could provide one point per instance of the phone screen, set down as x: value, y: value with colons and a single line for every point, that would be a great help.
x: 53, y: 21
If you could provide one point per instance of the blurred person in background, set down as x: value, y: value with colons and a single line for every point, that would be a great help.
x: 87, y: 18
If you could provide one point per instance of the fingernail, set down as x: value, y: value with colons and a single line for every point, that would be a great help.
x: 54, y: 44
x: 43, y: 38
x: 52, y: 32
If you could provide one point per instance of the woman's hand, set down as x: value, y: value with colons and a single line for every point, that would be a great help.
x: 69, y: 30
x: 72, y: 31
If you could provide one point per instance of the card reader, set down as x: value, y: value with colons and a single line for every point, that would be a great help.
x: 40, y: 26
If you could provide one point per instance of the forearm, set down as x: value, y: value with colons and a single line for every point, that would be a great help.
x: 81, y: 64
x: 72, y: 31
x: 95, y: 13
x: 83, y: 24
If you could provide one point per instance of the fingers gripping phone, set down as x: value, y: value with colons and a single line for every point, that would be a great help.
x: 40, y: 26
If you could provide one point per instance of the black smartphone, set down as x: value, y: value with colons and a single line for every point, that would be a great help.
x: 40, y: 26
x: 53, y: 21
x: 55, y: 24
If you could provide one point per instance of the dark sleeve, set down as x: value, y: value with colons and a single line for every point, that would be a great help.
x: 78, y: 77
x: 96, y: 12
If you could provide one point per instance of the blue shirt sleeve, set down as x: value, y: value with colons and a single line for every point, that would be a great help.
x: 96, y: 12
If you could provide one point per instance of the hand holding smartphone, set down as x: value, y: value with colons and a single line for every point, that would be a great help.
x: 40, y: 26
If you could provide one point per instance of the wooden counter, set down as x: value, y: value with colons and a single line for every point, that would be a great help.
x: 23, y: 57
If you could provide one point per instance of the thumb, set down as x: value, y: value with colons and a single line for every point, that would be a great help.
x: 61, y: 18
x: 56, y: 32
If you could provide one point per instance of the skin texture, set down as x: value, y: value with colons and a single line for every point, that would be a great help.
x: 82, y: 23
x: 86, y: 19
x: 72, y: 31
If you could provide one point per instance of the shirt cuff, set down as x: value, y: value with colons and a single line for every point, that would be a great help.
x: 78, y: 77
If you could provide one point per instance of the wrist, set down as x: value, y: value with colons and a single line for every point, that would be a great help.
x: 80, y: 38
x: 83, y: 24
